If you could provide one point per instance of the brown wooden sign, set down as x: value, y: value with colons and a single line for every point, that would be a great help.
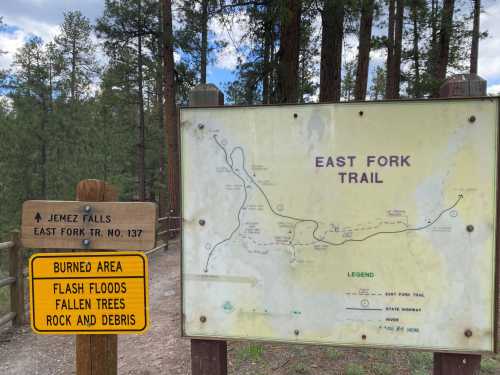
x: 88, y: 225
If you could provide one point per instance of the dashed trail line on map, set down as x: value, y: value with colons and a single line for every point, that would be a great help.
x: 230, y: 163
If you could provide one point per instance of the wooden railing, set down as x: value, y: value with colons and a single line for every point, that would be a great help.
x: 16, y: 277
x: 15, y: 280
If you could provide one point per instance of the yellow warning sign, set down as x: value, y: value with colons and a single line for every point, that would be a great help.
x: 98, y: 292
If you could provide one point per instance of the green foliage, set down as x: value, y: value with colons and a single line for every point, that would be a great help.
x: 382, y: 369
x: 250, y: 352
x: 300, y: 368
x: 420, y: 362
x: 489, y: 366
x: 354, y: 369
x: 333, y: 354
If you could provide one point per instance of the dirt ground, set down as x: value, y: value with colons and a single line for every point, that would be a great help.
x: 162, y: 351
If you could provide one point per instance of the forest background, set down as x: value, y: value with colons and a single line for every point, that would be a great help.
x: 89, y: 89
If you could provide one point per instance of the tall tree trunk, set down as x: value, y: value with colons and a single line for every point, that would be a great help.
x: 204, y: 41
x: 474, y: 52
x: 365, y: 37
x: 389, y: 86
x: 141, y: 181
x: 171, y: 126
x: 444, y: 44
x: 432, y: 59
x: 398, y: 42
x: 162, y: 196
x: 288, y: 69
x: 268, y: 42
x: 416, y: 54
x: 73, y: 70
x: 332, y: 20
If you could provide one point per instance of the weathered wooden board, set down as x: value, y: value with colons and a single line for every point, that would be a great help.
x: 88, y: 225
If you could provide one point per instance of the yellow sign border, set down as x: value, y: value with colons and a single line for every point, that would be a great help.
x: 32, y: 278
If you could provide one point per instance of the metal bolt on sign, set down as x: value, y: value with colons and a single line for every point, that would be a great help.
x: 470, y: 228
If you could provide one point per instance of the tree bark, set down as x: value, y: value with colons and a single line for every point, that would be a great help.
x: 171, y: 126
x: 332, y: 20
x: 474, y: 52
x: 159, y: 102
x: 389, y: 86
x: 288, y: 68
x: 444, y: 44
x: 398, y: 42
x: 267, y: 56
x: 204, y: 41
x: 365, y: 37
x: 416, y: 55
x: 141, y: 181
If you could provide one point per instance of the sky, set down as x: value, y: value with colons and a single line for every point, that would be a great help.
x: 25, y: 18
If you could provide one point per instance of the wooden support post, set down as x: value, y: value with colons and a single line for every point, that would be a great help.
x: 456, y: 364
x: 453, y: 363
x: 208, y: 357
x: 17, y: 288
x: 96, y: 354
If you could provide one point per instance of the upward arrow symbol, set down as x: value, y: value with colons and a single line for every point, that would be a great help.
x: 38, y: 217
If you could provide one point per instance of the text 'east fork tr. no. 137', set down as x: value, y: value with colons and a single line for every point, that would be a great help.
x: 360, y: 224
x: 88, y: 225
x: 92, y: 292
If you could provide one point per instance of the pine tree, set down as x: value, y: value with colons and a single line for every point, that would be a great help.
x: 365, y: 36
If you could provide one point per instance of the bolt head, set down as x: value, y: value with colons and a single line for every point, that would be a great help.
x: 468, y: 333
x: 296, y: 332
x: 295, y: 115
x: 361, y: 113
x: 86, y: 242
x: 87, y: 209
x: 203, y: 319
x: 201, y: 126
x: 470, y: 228
x: 472, y: 119
x: 201, y: 222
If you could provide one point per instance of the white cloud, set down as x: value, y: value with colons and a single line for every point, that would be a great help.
x: 231, y: 34
x: 494, y: 89
x: 10, y: 42
x: 489, y: 49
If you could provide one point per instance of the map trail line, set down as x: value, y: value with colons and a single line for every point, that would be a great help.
x: 230, y: 163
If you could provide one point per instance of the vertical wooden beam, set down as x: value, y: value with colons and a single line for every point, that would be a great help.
x: 208, y: 357
x: 96, y: 354
x: 456, y: 364
x: 16, y: 271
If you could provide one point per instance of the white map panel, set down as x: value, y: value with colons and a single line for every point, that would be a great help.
x: 362, y: 224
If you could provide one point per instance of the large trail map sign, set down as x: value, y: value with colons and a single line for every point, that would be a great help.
x: 348, y: 224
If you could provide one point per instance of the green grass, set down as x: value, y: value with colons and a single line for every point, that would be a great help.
x: 333, y: 354
x: 489, y: 366
x: 382, y: 369
x: 420, y: 362
x: 354, y: 369
x: 250, y: 352
x: 300, y: 368
x: 4, y: 300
